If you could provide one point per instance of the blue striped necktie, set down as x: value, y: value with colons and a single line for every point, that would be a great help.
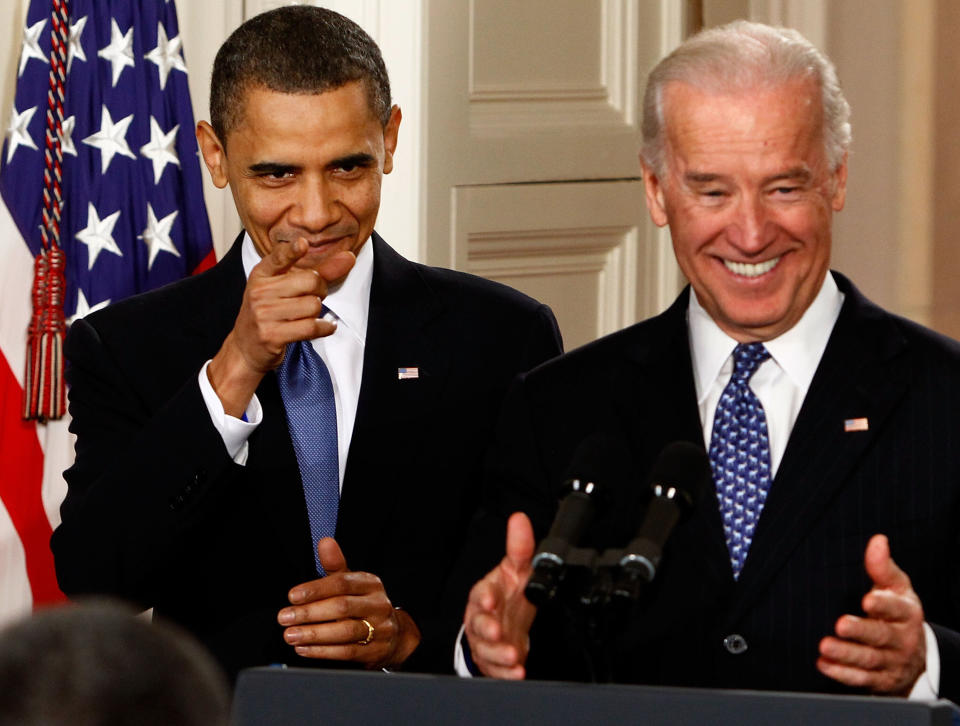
x: 307, y: 393
x: 740, y: 454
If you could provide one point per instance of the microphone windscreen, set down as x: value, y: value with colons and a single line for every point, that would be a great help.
x: 599, y: 458
x: 684, y: 466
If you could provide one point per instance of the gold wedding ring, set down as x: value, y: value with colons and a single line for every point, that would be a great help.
x: 370, y: 631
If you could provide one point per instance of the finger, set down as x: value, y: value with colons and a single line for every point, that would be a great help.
x: 330, y: 609
x: 868, y: 631
x: 517, y: 673
x: 498, y: 655
x: 880, y: 565
x: 353, y: 652
x: 338, y: 632
x: 891, y: 606
x: 849, y: 675
x: 486, y: 594
x: 279, y: 334
x: 856, y: 655
x: 520, y: 541
x: 293, y: 283
x: 288, y: 307
x: 338, y: 584
x: 282, y: 257
x: 485, y: 627
x: 331, y: 556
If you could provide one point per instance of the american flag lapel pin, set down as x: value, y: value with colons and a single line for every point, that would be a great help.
x: 404, y: 374
x: 856, y: 424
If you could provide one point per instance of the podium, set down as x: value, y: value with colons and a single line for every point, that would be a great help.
x: 268, y: 696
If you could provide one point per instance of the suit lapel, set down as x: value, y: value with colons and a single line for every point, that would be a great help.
x: 860, y: 376
x: 663, y: 409
x: 219, y: 302
x: 402, y: 307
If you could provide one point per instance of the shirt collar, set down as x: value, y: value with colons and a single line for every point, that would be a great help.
x: 349, y: 300
x: 797, y: 351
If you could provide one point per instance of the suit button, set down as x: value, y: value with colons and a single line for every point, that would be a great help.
x: 735, y: 644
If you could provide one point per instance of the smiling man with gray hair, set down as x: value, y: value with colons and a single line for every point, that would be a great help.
x: 824, y: 555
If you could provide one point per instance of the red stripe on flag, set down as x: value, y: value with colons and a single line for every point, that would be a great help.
x: 21, y: 479
x: 206, y: 263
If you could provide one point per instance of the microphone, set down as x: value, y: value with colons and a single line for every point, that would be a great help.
x: 594, y: 457
x: 680, y: 474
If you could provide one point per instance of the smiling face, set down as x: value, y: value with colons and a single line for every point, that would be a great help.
x: 749, y: 197
x: 305, y: 165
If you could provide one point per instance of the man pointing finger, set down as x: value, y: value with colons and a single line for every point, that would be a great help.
x: 314, y: 399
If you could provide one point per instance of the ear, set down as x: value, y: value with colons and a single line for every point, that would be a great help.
x: 653, y: 190
x: 390, y: 132
x: 840, y: 185
x: 214, y: 154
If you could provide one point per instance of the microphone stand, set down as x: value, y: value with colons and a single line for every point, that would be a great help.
x: 596, y: 599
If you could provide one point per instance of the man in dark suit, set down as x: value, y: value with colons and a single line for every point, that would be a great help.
x: 313, y: 379
x: 824, y: 554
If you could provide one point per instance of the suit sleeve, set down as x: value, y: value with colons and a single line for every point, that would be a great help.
x: 146, y: 474
x: 536, y: 339
x: 544, y: 341
x: 948, y: 642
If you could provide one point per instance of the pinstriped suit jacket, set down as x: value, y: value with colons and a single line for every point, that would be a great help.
x: 833, y: 490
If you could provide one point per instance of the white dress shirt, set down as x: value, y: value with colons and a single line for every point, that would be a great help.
x: 348, y: 305
x: 781, y: 382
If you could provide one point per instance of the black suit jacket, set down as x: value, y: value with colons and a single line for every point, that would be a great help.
x: 156, y: 512
x: 833, y: 490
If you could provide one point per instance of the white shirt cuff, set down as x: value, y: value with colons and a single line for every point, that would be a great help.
x: 928, y: 684
x: 459, y: 661
x: 232, y: 430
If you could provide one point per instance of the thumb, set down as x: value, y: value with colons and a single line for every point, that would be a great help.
x: 337, y: 265
x: 520, y: 541
x: 331, y: 556
x: 881, y: 568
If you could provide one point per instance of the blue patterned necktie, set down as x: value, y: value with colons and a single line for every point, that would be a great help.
x: 740, y: 454
x: 307, y: 393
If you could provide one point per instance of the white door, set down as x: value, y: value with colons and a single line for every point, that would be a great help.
x: 530, y: 143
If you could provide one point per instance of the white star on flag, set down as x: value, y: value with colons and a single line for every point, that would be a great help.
x: 106, y: 261
x: 160, y: 148
x: 110, y: 139
x: 66, y: 136
x: 17, y: 131
x: 74, y: 49
x: 120, y: 50
x: 84, y: 308
x: 31, y: 45
x: 166, y: 55
x: 98, y: 235
x: 157, y: 235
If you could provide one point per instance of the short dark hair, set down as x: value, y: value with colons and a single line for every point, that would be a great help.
x: 295, y: 49
x: 99, y: 663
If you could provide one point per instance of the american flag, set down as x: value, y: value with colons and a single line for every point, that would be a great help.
x: 132, y: 218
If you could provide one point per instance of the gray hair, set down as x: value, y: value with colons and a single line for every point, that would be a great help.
x: 741, y: 56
